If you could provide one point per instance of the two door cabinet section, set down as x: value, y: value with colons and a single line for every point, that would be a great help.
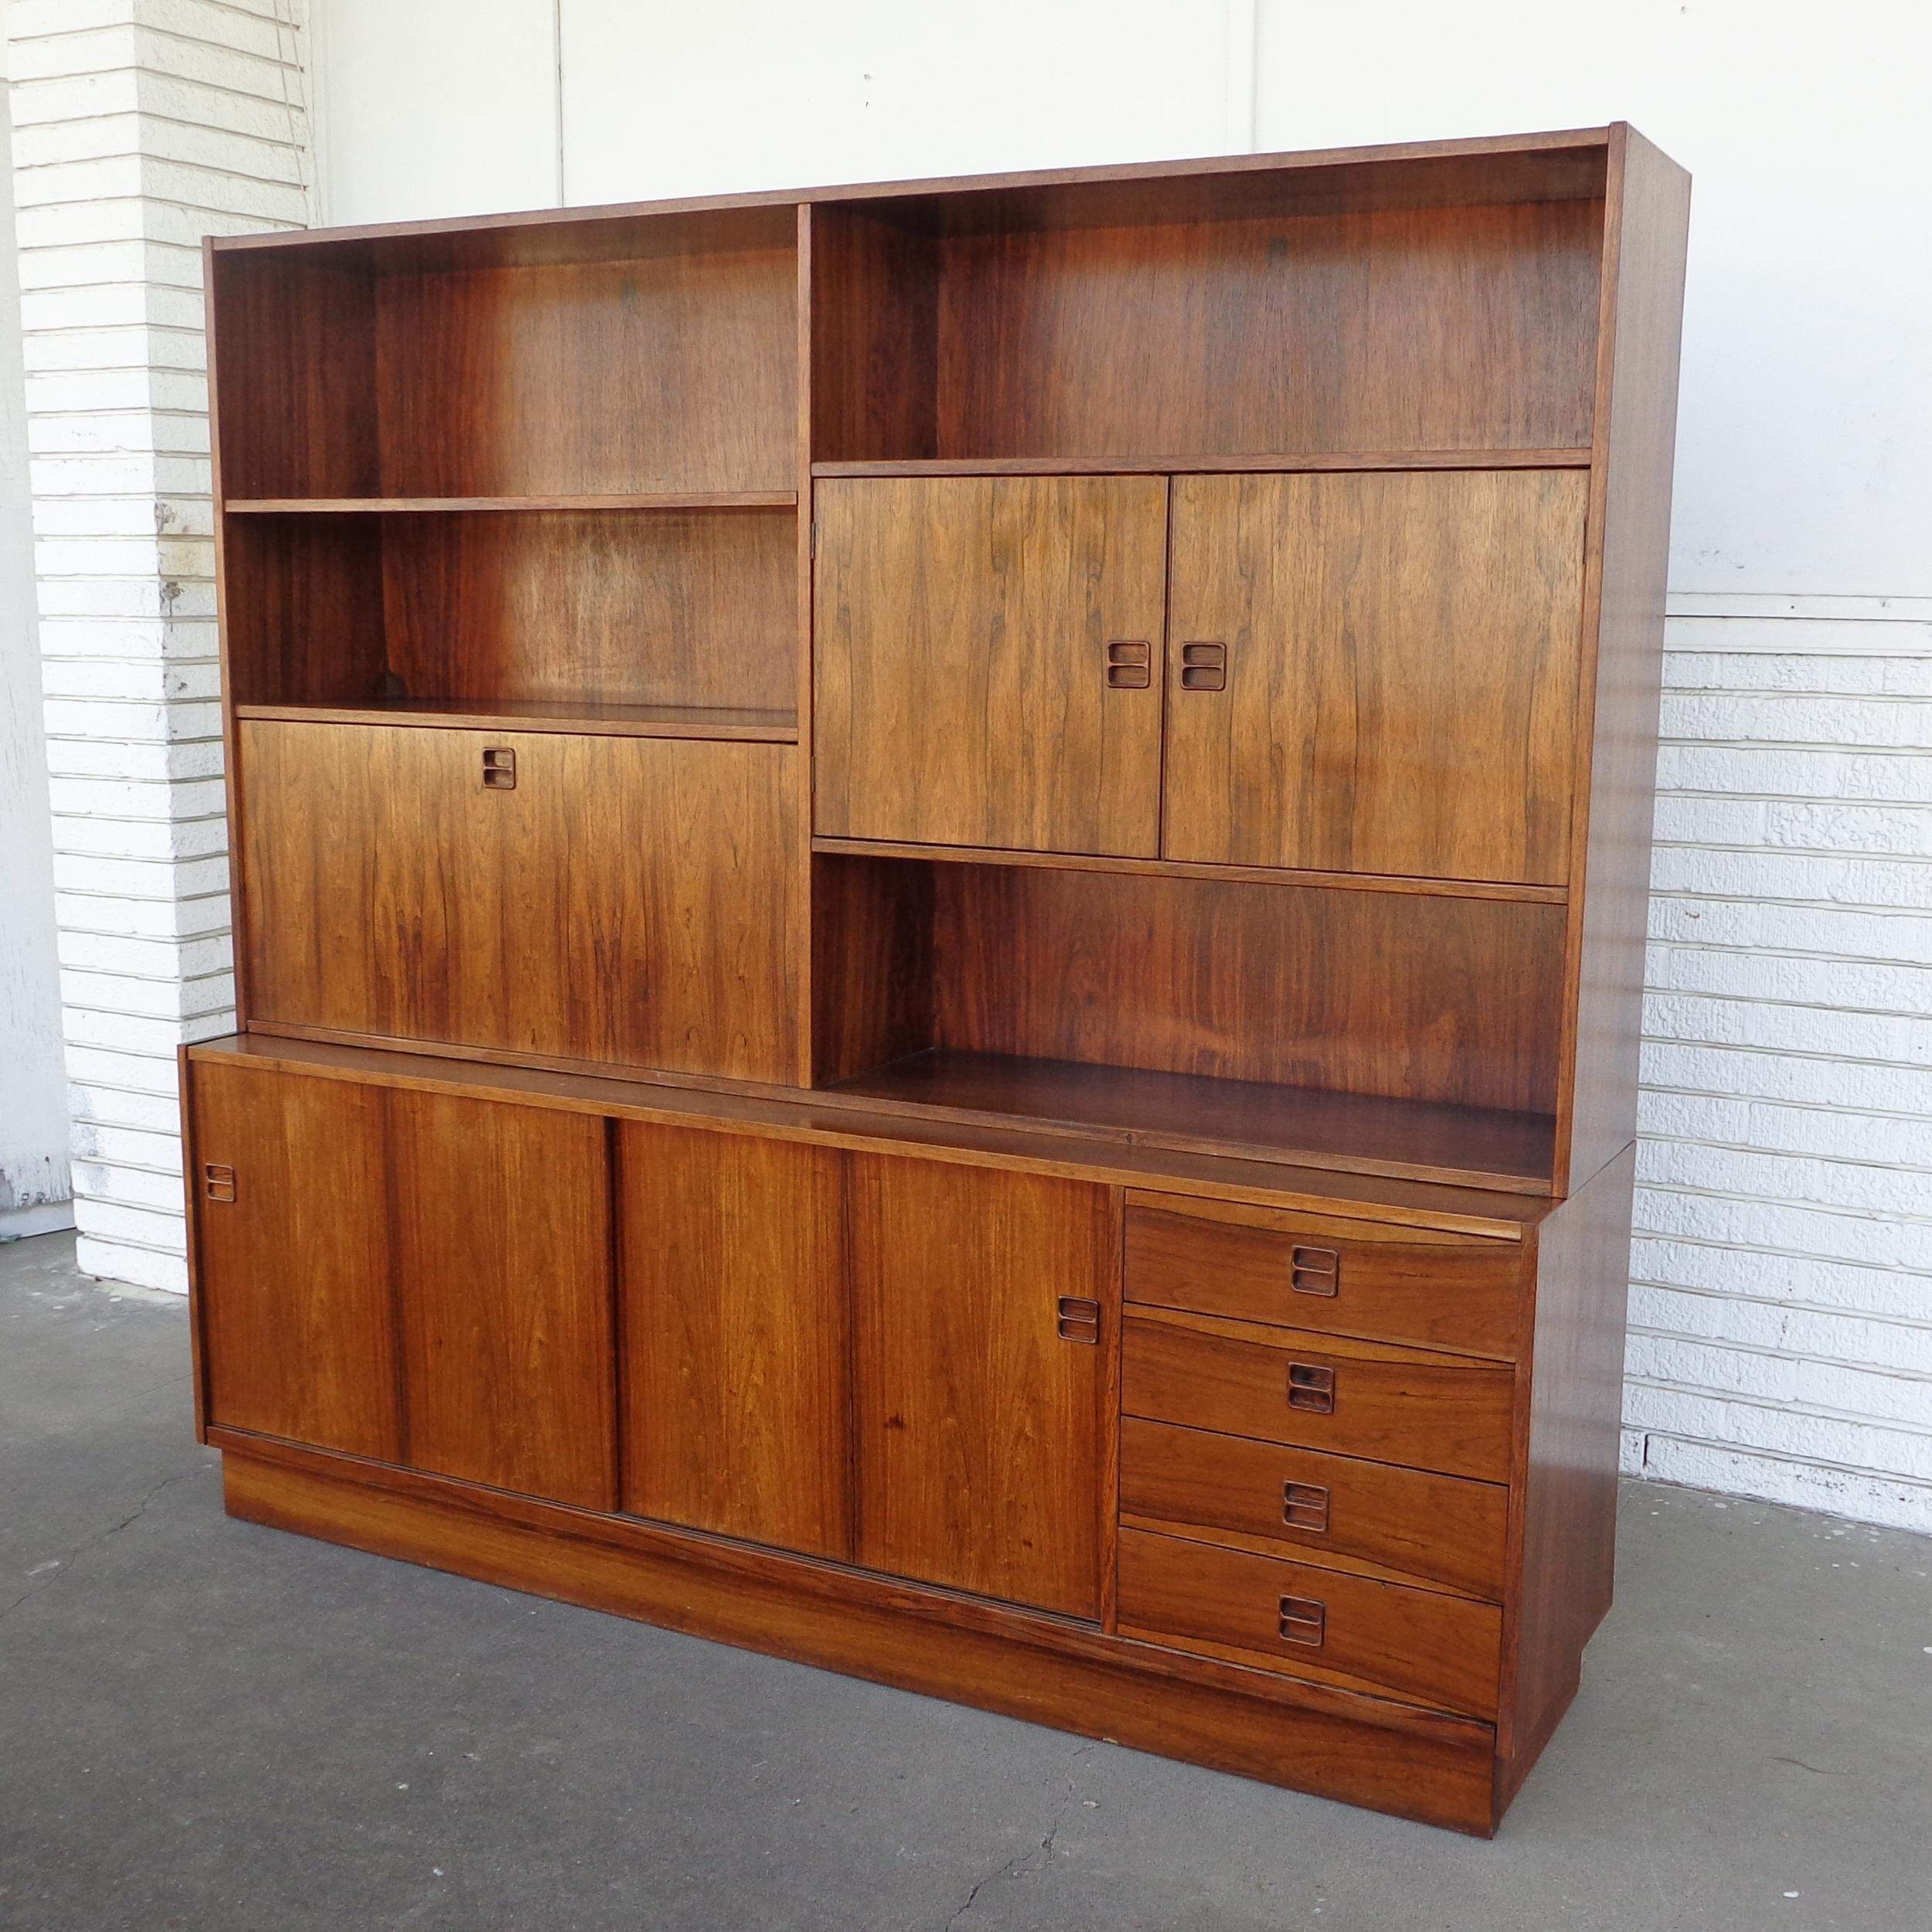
x: 939, y: 907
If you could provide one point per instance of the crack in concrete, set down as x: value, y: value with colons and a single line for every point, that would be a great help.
x: 1036, y: 1857
x: 66, y: 1561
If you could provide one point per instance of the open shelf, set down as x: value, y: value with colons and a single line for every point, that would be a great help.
x: 1183, y: 465
x: 1326, y: 313
x: 1363, y: 1133
x: 610, y: 612
x: 384, y: 505
x: 1198, y: 1010
x: 607, y: 720
x: 654, y: 355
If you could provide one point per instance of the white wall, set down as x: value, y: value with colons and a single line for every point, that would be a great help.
x: 1783, y: 1337
x: 34, y: 1187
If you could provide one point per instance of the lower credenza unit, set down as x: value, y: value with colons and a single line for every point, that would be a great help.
x: 1238, y: 1462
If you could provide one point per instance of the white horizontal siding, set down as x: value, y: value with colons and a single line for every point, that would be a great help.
x: 1781, y: 1295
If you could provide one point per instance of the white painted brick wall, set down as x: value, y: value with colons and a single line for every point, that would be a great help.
x: 1781, y: 1298
x: 139, y: 126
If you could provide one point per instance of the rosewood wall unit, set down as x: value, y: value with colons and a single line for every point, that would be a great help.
x: 939, y: 895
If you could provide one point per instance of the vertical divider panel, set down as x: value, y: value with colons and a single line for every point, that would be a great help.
x: 807, y: 533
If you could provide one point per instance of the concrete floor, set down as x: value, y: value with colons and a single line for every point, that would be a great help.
x: 207, y: 1725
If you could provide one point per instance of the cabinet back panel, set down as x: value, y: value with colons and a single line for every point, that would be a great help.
x: 1409, y: 996
x: 658, y: 607
x: 1445, y: 328
x: 676, y: 372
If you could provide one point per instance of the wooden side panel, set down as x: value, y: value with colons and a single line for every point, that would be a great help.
x: 979, y: 1428
x: 735, y: 1336
x: 502, y: 1244
x: 1643, y: 319
x: 1399, y: 693
x: 670, y: 372
x: 292, y: 1285
x: 1570, y: 1481
x: 302, y: 609
x: 874, y: 296
x: 295, y: 342
x: 627, y: 902
x: 1400, y: 328
x: 964, y: 695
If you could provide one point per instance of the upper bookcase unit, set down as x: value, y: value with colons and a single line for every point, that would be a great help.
x: 651, y: 355
x: 1370, y: 308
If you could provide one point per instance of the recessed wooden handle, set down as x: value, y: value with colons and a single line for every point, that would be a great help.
x: 1080, y: 1319
x: 499, y: 768
x: 217, y: 1181
x: 1311, y: 1388
x: 1204, y: 666
x: 1314, y: 1271
x: 1305, y: 1619
x: 1304, y: 1505
x: 1130, y: 663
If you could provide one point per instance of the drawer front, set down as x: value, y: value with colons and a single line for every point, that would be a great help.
x: 1438, y: 1529
x: 1349, y: 1398
x: 1360, y: 1278
x: 1445, y: 1652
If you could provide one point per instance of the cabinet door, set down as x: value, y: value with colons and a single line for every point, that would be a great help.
x: 988, y: 654
x: 291, y: 1283
x: 502, y: 1269
x: 979, y: 1396
x: 735, y: 1328
x: 614, y: 899
x: 1376, y: 673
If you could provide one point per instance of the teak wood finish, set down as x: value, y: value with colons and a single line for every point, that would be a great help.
x: 939, y: 917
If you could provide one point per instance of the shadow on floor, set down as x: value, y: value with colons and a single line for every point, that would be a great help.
x: 212, y: 1726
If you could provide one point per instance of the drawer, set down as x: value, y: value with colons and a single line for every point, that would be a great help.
x: 1441, y: 1529
x: 1320, y: 1392
x: 1384, y: 1283
x: 1442, y: 1651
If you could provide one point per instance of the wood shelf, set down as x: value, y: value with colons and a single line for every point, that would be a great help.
x: 1198, y: 465
x: 609, y: 720
x: 1356, y: 1133
x: 398, y: 505
x: 1184, y: 868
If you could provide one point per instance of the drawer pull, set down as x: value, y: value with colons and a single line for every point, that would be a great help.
x: 1080, y: 1319
x: 1314, y: 1271
x: 499, y: 769
x: 1304, y: 1505
x: 1311, y: 1388
x: 217, y: 1181
x: 1304, y: 1621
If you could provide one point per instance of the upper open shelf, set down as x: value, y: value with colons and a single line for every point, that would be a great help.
x: 1394, y: 308
x: 649, y: 357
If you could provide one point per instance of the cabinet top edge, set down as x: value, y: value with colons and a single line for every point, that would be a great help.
x: 1590, y: 145
x: 1339, y: 1193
